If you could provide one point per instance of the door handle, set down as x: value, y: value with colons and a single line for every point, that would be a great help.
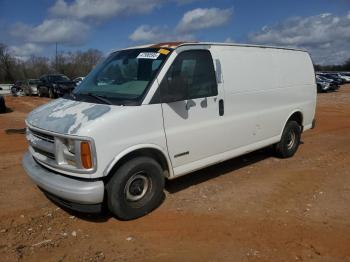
x: 221, y: 107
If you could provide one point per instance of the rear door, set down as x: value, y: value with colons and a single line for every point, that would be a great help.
x: 191, y: 100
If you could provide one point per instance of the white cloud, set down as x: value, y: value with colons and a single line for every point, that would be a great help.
x: 105, y: 9
x: 325, y: 36
x: 201, y: 18
x: 192, y: 21
x: 26, y: 50
x: 102, y: 9
x: 229, y: 40
x: 148, y: 34
x: 63, y: 31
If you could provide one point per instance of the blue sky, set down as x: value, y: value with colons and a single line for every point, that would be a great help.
x: 32, y: 27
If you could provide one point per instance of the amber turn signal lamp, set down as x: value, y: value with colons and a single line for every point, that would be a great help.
x: 85, y: 154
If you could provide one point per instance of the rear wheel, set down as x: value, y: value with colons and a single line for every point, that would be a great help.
x: 136, y: 188
x: 290, y: 140
x: 51, y: 93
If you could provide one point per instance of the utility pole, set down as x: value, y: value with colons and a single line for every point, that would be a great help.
x: 56, y: 59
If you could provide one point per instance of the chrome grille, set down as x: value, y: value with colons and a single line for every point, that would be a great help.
x: 43, y: 136
x: 42, y: 144
x: 44, y: 153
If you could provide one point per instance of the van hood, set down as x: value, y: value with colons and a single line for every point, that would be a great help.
x: 66, y: 116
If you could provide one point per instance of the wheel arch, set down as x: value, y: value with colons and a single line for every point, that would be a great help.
x: 296, y: 115
x: 151, y: 150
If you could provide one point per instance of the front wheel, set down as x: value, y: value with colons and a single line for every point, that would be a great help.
x: 290, y: 140
x: 136, y: 188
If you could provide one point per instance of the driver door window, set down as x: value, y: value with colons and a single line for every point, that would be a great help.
x: 190, y: 76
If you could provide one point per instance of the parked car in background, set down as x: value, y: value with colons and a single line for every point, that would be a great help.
x: 16, y: 89
x: 325, y: 84
x: 2, y: 104
x: 345, y: 76
x: 29, y: 87
x: 78, y: 80
x: 333, y: 76
x: 55, y: 85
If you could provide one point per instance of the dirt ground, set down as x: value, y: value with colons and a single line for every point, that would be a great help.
x: 255, y: 207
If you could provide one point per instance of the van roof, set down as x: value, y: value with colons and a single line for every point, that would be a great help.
x: 174, y: 45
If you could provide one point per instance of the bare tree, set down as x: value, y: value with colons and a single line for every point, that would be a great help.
x: 79, y: 63
x: 36, y: 66
x: 7, y: 63
x: 72, y: 64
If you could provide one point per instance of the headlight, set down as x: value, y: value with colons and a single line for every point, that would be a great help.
x: 74, y: 153
x: 71, y: 146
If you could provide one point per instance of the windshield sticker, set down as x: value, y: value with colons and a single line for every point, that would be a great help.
x: 148, y: 55
x: 163, y: 51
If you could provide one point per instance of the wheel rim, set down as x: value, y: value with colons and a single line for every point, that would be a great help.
x: 137, y: 186
x: 291, y: 140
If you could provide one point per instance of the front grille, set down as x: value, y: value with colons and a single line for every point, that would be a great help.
x: 43, y: 145
x: 43, y: 136
x: 44, y: 153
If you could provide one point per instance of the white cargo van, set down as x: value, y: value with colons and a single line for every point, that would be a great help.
x: 158, y: 112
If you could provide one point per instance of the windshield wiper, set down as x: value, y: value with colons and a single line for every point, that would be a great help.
x: 101, y: 98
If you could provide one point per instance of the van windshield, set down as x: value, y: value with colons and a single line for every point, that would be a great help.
x: 124, y: 77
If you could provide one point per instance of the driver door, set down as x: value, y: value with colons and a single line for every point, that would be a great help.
x: 192, y: 104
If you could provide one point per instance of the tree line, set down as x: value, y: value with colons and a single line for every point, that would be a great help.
x: 71, y: 64
x: 345, y: 67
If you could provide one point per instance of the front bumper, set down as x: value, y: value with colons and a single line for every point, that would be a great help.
x: 68, y: 189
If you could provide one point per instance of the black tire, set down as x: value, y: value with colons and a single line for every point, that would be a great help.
x: 2, y: 105
x: 129, y: 196
x: 39, y: 92
x: 290, y: 140
x: 14, y: 91
x: 51, y: 93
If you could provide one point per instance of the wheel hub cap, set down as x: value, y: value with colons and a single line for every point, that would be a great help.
x: 137, y: 187
x: 291, y: 140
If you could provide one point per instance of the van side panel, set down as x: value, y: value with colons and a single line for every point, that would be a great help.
x: 263, y: 87
x: 295, y: 71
